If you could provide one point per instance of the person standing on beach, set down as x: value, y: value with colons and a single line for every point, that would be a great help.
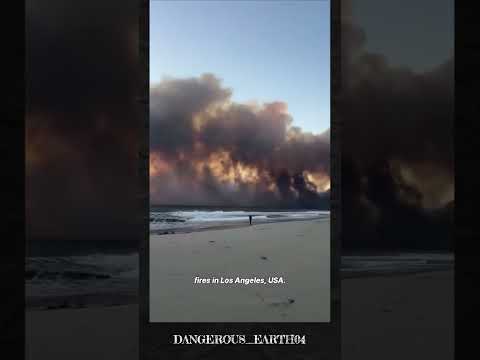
x: 250, y: 219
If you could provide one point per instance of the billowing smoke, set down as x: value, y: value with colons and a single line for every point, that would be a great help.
x: 84, y: 128
x: 83, y: 125
x: 397, y: 149
x: 207, y: 149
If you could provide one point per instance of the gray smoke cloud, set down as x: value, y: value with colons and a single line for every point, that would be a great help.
x: 84, y: 128
x: 214, y: 150
x: 83, y: 125
x: 397, y: 148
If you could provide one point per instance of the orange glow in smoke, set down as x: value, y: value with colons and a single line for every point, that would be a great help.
x: 225, y: 170
x: 158, y: 166
x: 221, y: 166
x: 321, y: 181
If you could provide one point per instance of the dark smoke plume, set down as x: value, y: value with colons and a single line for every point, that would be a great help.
x: 397, y: 149
x: 83, y: 133
x: 202, y: 142
x: 82, y: 123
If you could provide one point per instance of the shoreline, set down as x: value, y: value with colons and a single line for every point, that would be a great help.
x: 232, y: 225
x: 298, y: 252
x: 354, y: 265
x: 83, y: 301
x: 378, y: 274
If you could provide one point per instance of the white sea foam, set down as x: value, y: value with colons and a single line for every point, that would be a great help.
x: 396, y: 263
x: 193, y: 219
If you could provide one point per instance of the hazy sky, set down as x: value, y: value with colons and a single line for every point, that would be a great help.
x: 413, y: 33
x: 263, y: 50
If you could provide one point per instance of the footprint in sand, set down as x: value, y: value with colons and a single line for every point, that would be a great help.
x: 286, y: 303
x: 283, y: 304
x: 175, y: 274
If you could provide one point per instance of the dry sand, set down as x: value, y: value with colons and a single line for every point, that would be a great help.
x: 83, y: 334
x: 296, y: 251
x: 399, y: 317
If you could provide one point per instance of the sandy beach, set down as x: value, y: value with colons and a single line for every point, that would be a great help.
x: 399, y: 317
x: 388, y: 317
x: 296, y: 251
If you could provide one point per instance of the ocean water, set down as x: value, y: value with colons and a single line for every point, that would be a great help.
x: 81, y: 280
x: 168, y: 219
x: 395, y: 263
x: 96, y: 275
x: 91, y: 273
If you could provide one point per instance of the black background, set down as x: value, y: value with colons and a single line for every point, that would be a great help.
x: 466, y: 248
